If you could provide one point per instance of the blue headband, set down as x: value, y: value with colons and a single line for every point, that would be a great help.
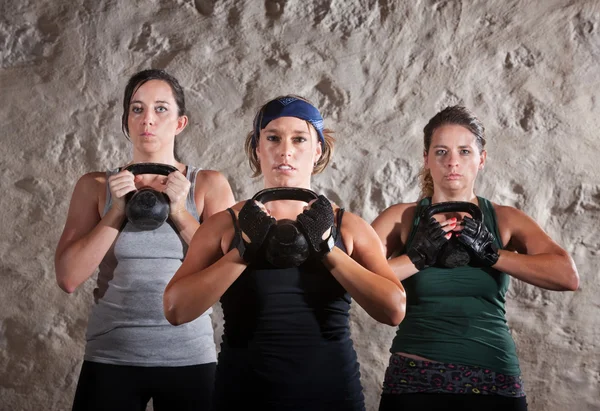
x: 288, y: 107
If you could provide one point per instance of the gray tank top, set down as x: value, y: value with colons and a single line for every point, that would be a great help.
x: 127, y: 325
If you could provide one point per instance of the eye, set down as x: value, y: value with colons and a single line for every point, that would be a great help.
x: 136, y: 109
x: 440, y: 152
x: 300, y: 139
x: 465, y: 151
x: 272, y: 138
x: 161, y: 109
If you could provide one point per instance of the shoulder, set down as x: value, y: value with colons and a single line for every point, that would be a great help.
x: 91, y: 182
x: 209, y: 177
x: 508, y: 215
x: 400, y: 213
x: 211, y: 182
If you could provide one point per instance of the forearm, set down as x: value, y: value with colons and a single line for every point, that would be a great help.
x: 188, y: 297
x: 186, y: 224
x: 77, y: 262
x: 550, y: 271
x: 402, y: 267
x: 381, y: 298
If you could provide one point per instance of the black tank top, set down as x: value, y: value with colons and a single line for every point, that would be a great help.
x: 286, y: 340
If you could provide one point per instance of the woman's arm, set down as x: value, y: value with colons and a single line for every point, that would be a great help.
x: 538, y: 260
x: 206, y: 273
x: 216, y: 195
x: 212, y: 194
x: 389, y: 228
x: 393, y: 227
x: 86, y: 237
x: 366, y: 274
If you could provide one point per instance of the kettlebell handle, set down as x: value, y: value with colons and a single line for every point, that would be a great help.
x: 285, y: 193
x: 453, y: 206
x: 151, y: 168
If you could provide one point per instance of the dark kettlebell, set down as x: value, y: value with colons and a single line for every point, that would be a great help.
x: 453, y: 253
x: 285, y: 245
x: 146, y: 208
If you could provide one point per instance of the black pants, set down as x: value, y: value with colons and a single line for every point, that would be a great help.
x: 104, y: 387
x: 438, y: 402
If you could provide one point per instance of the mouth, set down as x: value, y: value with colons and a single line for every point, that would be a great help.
x: 453, y: 176
x: 147, y: 134
x: 284, y: 167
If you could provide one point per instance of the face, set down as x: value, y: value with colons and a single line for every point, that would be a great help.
x: 153, y: 118
x: 287, y: 150
x: 453, y: 158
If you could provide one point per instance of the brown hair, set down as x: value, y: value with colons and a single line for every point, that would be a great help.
x: 453, y: 115
x: 326, y: 147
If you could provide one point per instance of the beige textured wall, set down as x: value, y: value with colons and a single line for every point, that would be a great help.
x: 378, y: 69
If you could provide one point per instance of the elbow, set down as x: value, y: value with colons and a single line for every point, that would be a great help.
x: 573, y: 282
x: 395, y: 318
x: 65, y: 284
x: 171, y: 310
x: 397, y: 310
x: 172, y: 317
x: 572, y: 277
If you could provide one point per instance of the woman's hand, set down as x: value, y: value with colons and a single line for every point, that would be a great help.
x: 177, y: 189
x: 120, y: 184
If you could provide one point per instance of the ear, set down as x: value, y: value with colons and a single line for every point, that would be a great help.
x: 182, y: 123
x: 318, y: 151
x: 425, y: 158
x: 482, y: 158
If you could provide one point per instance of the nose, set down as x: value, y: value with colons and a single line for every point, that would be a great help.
x: 287, y: 148
x: 148, y: 118
x: 452, y: 159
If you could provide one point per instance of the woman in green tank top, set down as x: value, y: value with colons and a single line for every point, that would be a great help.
x: 454, y: 347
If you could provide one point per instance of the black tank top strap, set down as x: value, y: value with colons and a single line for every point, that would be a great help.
x: 339, y: 214
x: 235, y: 226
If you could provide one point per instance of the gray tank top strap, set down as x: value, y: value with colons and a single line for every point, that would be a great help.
x: 191, y: 174
x: 108, y: 201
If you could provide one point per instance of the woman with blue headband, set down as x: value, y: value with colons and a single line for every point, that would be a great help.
x: 286, y: 341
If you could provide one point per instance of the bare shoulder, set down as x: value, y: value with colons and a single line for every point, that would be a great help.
x: 207, y: 176
x: 94, y: 182
x: 356, y: 231
x: 396, y: 215
x: 509, y: 216
x: 210, y: 179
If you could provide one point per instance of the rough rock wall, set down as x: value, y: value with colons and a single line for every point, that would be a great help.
x: 378, y: 69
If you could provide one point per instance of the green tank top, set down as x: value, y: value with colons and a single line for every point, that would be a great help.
x: 457, y: 315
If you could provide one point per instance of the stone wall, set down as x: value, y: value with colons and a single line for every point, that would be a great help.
x: 378, y: 70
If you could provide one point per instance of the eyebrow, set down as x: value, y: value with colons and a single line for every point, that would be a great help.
x: 443, y: 146
x: 157, y: 101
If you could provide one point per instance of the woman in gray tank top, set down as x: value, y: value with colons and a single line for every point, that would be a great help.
x: 132, y: 353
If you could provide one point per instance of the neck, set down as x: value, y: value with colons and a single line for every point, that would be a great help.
x: 284, y: 183
x: 441, y: 196
x: 159, y: 157
x: 285, y: 208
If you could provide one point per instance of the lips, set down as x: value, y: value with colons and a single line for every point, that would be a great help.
x: 453, y: 176
x: 284, y: 167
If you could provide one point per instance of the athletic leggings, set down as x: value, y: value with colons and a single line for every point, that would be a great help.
x: 416, y: 385
x: 104, y: 387
x: 442, y: 402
